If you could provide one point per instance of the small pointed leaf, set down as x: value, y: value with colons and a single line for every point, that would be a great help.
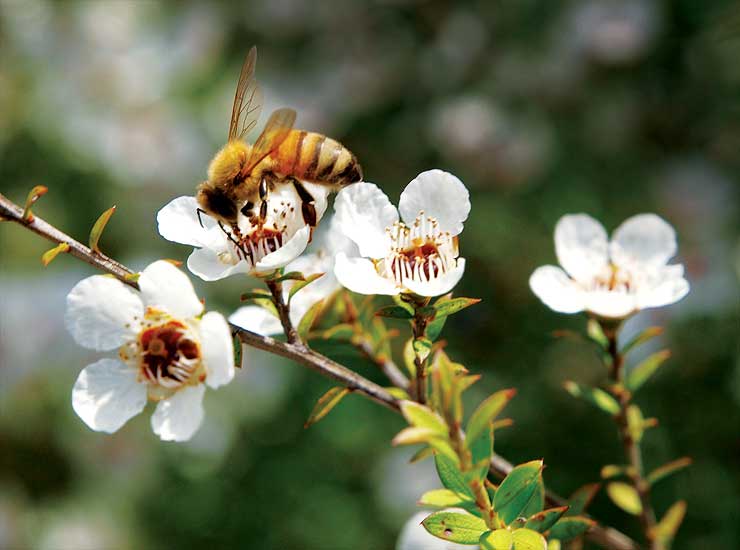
x: 500, y: 539
x: 614, y: 470
x: 414, y: 435
x: 644, y: 336
x: 449, y: 307
x: 625, y: 497
x: 309, y: 318
x: 542, y: 521
x: 33, y: 195
x: 455, y: 527
x: 668, y: 469
x: 596, y: 333
x: 443, y: 498
x: 595, y: 396
x: 423, y: 417
x: 394, y: 312
x: 99, y: 227
x: 581, y: 498
x: 409, y: 357
x: 450, y: 476
x: 422, y: 348
x: 486, y: 413
x: 516, y: 490
x: 570, y: 527
x: 299, y: 285
x: 237, y: 344
x: 290, y: 276
x: 325, y: 404
x: 669, y: 524
x: 342, y: 331
x: 48, y: 256
x: 642, y: 372
x: 527, y: 539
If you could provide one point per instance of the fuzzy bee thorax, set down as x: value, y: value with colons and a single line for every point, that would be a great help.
x: 228, y: 162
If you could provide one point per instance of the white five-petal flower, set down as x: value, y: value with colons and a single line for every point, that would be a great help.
x: 418, y: 255
x: 219, y: 253
x: 168, y: 350
x: 611, y: 279
x: 323, y: 250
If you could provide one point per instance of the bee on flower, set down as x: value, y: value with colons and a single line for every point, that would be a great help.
x: 416, y: 253
x: 260, y: 247
x: 611, y: 279
x: 169, y: 350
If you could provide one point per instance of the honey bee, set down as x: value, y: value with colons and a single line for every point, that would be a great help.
x: 240, y: 176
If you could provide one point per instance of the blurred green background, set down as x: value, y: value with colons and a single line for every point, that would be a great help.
x: 541, y: 108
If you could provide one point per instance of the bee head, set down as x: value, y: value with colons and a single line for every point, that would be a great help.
x: 217, y: 203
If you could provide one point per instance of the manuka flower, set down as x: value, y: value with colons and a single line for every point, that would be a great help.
x: 611, y: 279
x: 323, y: 250
x: 221, y: 252
x: 168, y: 351
x: 418, y: 255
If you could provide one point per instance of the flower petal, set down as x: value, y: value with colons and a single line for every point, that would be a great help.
x: 179, y: 417
x: 440, y: 285
x: 363, y: 212
x: 556, y: 290
x: 359, y: 275
x: 440, y: 195
x: 106, y: 394
x: 218, y: 351
x: 286, y: 253
x: 178, y: 222
x: 163, y: 285
x: 645, y: 239
x: 581, y: 246
x: 668, y: 287
x: 206, y: 264
x: 257, y: 319
x: 615, y: 304
x: 102, y: 313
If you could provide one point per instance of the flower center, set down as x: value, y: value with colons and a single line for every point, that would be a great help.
x: 614, y: 279
x: 166, y: 353
x: 421, y: 252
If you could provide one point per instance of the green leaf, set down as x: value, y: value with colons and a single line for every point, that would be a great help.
x: 500, y: 539
x: 398, y: 393
x: 596, y: 333
x: 97, y: 230
x: 434, y: 329
x: 595, y: 396
x: 481, y: 451
x: 237, y: 345
x: 486, y: 413
x: 48, y: 256
x: 414, y: 435
x: 570, y: 527
x: 581, y: 498
x: 33, y: 195
x: 423, y: 417
x: 299, y: 285
x: 451, y: 477
x: 256, y: 294
x: 527, y: 539
x: 644, y: 336
x: 422, y: 348
x: 449, y: 307
x: 421, y: 454
x: 455, y: 527
x: 668, y: 525
x: 443, y: 498
x: 542, y: 521
x: 516, y: 490
x: 342, y: 331
x: 668, y: 469
x: 290, y: 276
x: 408, y: 357
x: 400, y: 302
x: 309, y: 318
x: 640, y: 374
x: 625, y: 497
x: 443, y: 448
x: 325, y: 404
x: 537, y: 501
x: 394, y: 312
x: 614, y: 470
x: 635, y: 423
x: 554, y: 544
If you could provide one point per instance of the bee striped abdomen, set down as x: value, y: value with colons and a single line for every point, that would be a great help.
x: 316, y: 158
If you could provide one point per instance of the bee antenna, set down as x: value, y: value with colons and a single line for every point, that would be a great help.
x: 200, y: 221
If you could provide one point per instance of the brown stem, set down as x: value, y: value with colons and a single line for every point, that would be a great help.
x: 631, y: 447
x: 276, y: 289
x: 419, y: 329
x: 606, y: 537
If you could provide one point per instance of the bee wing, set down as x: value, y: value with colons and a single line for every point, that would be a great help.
x: 247, y: 99
x: 276, y: 130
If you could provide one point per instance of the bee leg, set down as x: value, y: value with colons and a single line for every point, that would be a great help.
x: 263, y: 204
x: 235, y: 242
x: 199, y: 211
x: 308, y: 208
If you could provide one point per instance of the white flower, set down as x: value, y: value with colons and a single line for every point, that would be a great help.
x: 611, y: 279
x: 417, y: 255
x: 219, y: 253
x: 167, y: 350
x: 327, y: 244
x: 415, y: 537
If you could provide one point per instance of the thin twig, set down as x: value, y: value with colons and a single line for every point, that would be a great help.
x: 500, y: 467
x: 276, y: 289
x: 631, y: 447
